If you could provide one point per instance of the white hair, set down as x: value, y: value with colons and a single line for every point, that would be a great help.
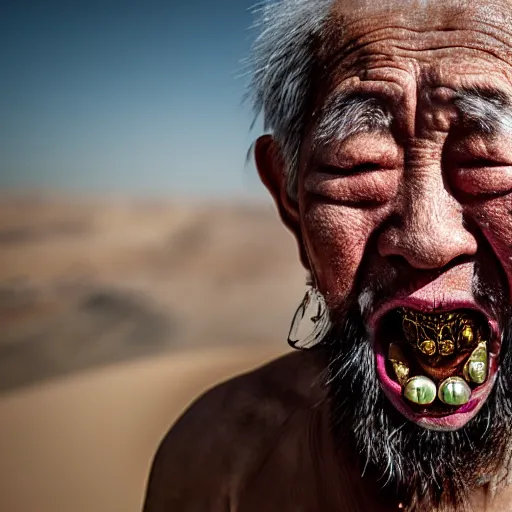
x: 489, y: 111
x: 282, y: 65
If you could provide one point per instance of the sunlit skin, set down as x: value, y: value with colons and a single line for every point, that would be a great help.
x: 426, y: 205
x: 423, y: 209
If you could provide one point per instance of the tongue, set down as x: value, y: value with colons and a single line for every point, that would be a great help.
x: 444, y: 368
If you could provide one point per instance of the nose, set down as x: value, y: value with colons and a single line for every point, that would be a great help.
x: 429, y: 229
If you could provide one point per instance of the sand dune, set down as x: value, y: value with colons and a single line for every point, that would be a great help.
x: 85, y: 443
x: 114, y: 315
x: 86, y: 282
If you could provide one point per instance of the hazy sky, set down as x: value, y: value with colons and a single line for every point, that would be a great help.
x: 121, y: 95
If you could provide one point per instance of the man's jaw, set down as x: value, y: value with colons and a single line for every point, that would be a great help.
x: 437, y: 415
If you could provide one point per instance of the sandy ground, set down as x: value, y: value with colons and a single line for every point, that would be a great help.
x: 85, y: 443
x: 114, y: 315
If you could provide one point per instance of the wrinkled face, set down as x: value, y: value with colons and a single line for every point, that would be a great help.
x: 405, y: 195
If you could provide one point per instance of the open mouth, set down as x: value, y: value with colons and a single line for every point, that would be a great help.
x: 436, y: 364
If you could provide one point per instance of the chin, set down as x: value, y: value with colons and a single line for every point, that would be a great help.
x: 431, y: 451
x: 415, y: 368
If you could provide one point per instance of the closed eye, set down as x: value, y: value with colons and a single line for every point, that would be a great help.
x: 483, y: 177
x: 482, y: 163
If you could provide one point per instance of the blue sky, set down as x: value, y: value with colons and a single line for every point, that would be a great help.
x: 126, y: 96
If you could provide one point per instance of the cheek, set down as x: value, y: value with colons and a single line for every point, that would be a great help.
x: 336, y: 238
x: 495, y: 220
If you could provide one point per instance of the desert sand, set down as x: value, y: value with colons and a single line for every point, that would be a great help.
x: 85, y: 443
x: 114, y: 315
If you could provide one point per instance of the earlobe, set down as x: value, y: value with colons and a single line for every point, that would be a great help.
x: 272, y: 171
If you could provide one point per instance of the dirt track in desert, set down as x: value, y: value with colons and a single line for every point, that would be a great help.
x: 114, y: 315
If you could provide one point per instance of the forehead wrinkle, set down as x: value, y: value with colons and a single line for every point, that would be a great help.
x: 347, y: 114
x: 463, y: 24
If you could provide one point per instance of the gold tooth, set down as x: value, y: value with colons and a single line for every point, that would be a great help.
x: 477, y: 366
x: 428, y: 347
x: 400, y: 366
x: 466, y: 336
x: 446, y: 347
x: 401, y: 371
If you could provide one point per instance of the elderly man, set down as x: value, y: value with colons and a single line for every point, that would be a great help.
x: 390, y: 159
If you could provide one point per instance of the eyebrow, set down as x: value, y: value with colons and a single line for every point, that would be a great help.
x: 488, y: 111
x: 347, y: 114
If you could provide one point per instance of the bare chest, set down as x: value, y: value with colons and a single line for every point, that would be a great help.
x: 300, y: 473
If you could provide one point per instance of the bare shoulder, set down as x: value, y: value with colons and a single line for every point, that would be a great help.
x: 214, y: 444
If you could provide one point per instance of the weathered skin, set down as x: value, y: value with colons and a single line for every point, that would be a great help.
x: 439, y: 213
x: 274, y: 453
x: 261, y: 442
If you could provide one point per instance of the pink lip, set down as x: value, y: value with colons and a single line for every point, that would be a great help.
x: 393, y: 390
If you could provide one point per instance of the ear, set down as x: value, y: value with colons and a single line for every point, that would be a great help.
x: 272, y: 170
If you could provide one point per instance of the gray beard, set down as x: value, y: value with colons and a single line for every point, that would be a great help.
x: 428, y: 470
